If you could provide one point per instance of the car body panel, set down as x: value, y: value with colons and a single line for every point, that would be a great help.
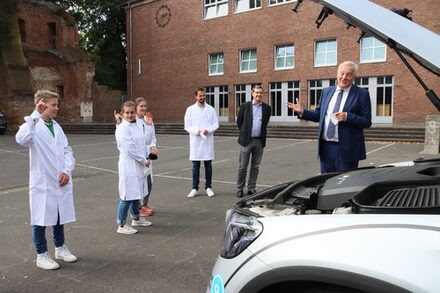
x: 311, y: 241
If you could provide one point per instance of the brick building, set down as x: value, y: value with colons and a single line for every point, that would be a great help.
x: 227, y: 46
x: 51, y: 46
x: 44, y: 53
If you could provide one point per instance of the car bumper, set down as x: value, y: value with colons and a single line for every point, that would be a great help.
x: 229, y: 275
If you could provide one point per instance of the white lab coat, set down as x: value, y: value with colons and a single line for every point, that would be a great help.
x: 150, y: 140
x: 200, y: 118
x: 49, y: 157
x: 132, y: 158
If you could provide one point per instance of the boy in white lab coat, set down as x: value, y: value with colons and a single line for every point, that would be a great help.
x: 132, y: 168
x: 200, y: 122
x: 50, y: 179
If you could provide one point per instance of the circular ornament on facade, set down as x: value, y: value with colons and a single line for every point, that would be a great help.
x: 163, y: 15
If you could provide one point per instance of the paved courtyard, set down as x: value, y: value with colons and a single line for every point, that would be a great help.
x: 177, y: 253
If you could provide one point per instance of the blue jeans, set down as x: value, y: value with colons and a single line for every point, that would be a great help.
x: 256, y: 149
x: 196, y: 174
x: 123, y: 207
x: 39, y: 236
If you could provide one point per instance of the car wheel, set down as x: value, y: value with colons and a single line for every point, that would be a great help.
x: 2, y: 131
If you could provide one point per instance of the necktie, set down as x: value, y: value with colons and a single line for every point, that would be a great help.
x: 331, y: 127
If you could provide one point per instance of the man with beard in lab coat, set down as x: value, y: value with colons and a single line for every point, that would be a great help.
x: 50, y: 179
x: 200, y: 122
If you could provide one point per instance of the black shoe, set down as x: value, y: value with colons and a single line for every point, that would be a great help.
x: 240, y: 193
x: 250, y: 192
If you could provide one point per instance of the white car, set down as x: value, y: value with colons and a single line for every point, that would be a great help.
x: 367, y: 230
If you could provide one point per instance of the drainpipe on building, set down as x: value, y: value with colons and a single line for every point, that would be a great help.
x: 131, y: 50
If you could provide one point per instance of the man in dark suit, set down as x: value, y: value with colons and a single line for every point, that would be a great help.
x: 343, y: 113
x: 252, y: 121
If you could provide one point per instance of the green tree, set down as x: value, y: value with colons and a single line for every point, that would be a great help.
x: 101, y: 25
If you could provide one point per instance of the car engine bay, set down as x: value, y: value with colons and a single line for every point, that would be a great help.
x: 373, y: 190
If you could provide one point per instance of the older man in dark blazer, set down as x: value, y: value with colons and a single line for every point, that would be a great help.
x: 343, y: 113
x: 252, y: 121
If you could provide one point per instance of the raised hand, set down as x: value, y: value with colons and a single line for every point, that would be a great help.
x: 41, y: 106
x: 295, y: 107
x: 118, y: 117
x: 148, y: 118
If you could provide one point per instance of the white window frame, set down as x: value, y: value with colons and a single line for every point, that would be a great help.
x: 279, y: 2
x: 284, y: 57
x: 316, y: 88
x: 213, y: 96
x: 221, y: 8
x: 247, y: 91
x: 372, y: 87
x: 283, y: 93
x: 217, y: 63
x: 249, y: 60
x: 327, y: 52
x: 244, y: 5
x: 377, y: 45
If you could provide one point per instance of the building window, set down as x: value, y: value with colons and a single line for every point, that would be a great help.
x: 216, y: 64
x: 243, y: 93
x: 22, y: 29
x: 279, y: 94
x: 246, y: 5
x: 248, y: 61
x: 325, y: 53
x: 372, y: 50
x: 384, y: 95
x: 60, y: 91
x: 381, y: 89
x: 218, y: 97
x: 215, y: 8
x: 277, y: 2
x: 52, y: 34
x: 315, y: 89
x: 284, y: 57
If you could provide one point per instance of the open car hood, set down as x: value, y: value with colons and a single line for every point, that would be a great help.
x: 416, y: 41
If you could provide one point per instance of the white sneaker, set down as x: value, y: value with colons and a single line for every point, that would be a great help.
x: 140, y: 222
x: 45, y: 262
x: 193, y: 193
x: 209, y: 192
x: 126, y: 229
x: 63, y: 253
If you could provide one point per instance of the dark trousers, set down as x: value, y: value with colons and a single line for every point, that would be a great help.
x: 331, y: 160
x: 149, y: 185
x: 255, y: 149
x: 196, y: 174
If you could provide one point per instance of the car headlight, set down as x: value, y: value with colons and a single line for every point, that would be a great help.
x: 241, y: 231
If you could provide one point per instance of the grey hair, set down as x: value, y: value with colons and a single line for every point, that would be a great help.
x: 351, y: 64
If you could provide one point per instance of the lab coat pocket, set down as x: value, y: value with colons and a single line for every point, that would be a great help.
x: 37, y: 183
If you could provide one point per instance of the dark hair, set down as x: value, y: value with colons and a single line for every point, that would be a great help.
x: 199, y: 90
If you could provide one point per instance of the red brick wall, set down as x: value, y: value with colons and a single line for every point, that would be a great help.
x: 175, y: 57
x: 105, y: 101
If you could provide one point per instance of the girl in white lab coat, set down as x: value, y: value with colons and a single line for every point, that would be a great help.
x: 145, y: 122
x: 132, y: 167
x: 50, y: 179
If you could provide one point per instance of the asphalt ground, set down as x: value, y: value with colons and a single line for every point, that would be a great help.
x: 176, y: 253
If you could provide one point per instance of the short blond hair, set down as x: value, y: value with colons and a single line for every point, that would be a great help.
x: 44, y: 95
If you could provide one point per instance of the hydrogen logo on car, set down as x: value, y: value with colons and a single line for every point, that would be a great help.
x: 217, y: 285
